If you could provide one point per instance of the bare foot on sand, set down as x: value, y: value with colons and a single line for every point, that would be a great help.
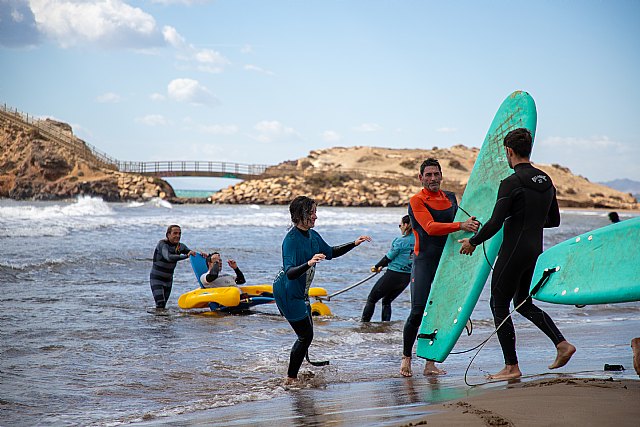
x: 565, y: 351
x: 635, y: 345
x: 430, y: 368
x: 405, y: 367
x: 509, y: 372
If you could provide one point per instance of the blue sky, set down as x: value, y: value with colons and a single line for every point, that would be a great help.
x: 267, y: 81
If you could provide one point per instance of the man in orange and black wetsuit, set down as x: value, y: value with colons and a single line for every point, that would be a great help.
x: 431, y: 211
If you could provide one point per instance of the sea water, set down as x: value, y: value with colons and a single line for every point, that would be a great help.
x: 79, y: 347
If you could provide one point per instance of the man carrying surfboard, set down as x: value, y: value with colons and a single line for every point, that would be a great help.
x: 431, y: 212
x: 526, y: 204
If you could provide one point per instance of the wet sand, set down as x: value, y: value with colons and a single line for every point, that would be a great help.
x: 579, y: 394
x: 401, y: 402
x: 562, y: 401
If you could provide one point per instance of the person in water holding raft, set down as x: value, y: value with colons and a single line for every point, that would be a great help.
x: 526, y: 204
x: 613, y: 217
x: 302, y: 249
x: 431, y: 212
x: 213, y: 279
x: 396, y: 279
x: 165, y: 257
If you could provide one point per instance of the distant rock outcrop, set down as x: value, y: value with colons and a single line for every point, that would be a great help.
x: 371, y: 176
x: 32, y: 166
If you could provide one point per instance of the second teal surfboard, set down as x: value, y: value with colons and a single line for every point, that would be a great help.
x: 460, y: 279
x: 598, y: 267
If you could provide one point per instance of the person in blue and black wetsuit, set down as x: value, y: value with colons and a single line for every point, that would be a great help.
x: 167, y: 254
x: 302, y: 249
x: 526, y: 204
x: 396, y: 279
x: 431, y: 211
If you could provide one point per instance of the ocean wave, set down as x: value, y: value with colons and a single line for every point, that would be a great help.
x: 57, y: 220
x: 6, y: 266
x: 160, y: 203
x: 83, y: 206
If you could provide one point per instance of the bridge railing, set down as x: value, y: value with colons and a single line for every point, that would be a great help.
x: 166, y: 168
x: 51, y: 131
x: 159, y: 167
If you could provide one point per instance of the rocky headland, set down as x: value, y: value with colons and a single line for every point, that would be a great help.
x: 372, y: 176
x: 47, y: 162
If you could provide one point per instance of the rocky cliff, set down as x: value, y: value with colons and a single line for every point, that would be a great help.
x: 33, y: 166
x: 370, y: 176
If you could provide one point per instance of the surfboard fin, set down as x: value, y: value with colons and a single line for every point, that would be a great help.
x: 469, y: 327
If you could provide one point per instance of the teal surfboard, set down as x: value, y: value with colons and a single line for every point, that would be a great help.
x: 598, y: 267
x: 460, y: 278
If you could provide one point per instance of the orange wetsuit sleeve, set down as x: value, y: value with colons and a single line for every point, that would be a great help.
x: 424, y: 218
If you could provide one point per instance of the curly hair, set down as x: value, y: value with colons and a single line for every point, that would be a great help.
x: 301, y: 208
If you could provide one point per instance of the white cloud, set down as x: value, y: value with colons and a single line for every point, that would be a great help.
x: 191, y: 91
x: 257, y: 69
x: 446, y: 130
x: 106, y: 23
x: 157, y: 97
x: 274, y: 130
x: 220, y: 129
x: 206, y: 60
x: 102, y: 24
x: 331, y: 136
x: 368, y: 127
x: 17, y: 24
x: 153, y: 120
x: 247, y: 48
x: 109, y: 98
x: 174, y: 38
x: 185, y: 2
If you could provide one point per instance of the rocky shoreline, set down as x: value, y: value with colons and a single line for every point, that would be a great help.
x: 371, y: 176
x: 37, y: 167
x: 34, y: 167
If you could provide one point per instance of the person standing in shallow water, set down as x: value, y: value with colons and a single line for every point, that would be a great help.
x: 165, y: 257
x: 396, y: 279
x: 526, y: 204
x: 302, y: 249
x: 431, y: 211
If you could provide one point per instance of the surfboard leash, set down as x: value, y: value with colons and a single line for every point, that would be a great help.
x: 315, y: 363
x: 543, y: 280
x: 484, y: 250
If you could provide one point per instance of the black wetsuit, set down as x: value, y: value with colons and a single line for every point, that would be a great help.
x: 526, y: 204
x: 429, y: 249
x: 165, y: 258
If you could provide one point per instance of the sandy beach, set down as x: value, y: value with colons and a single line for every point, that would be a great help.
x: 553, y: 402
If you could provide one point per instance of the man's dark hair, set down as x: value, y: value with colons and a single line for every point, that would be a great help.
x: 171, y: 227
x: 208, y: 258
x: 429, y: 162
x: 520, y: 141
x: 301, y: 208
x: 406, y: 219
